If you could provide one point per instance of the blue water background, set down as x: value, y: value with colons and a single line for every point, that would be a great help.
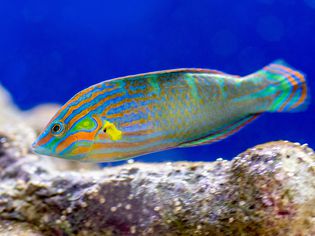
x: 49, y: 50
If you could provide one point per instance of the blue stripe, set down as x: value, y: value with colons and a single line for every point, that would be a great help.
x: 133, y: 138
x: 290, y: 86
x: 286, y: 72
x: 80, y: 143
x: 84, y: 97
x: 136, y: 88
x: 294, y: 99
x: 132, y: 149
x: 97, y: 99
x: 69, y: 133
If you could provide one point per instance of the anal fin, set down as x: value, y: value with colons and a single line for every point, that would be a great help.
x: 221, y: 133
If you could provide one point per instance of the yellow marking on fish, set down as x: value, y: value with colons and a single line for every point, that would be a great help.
x: 114, y: 133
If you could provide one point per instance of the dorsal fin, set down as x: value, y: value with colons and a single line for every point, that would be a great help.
x: 221, y: 133
x: 192, y: 70
x: 183, y: 70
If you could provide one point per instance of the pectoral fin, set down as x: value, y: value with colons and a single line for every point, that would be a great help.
x: 221, y: 133
x: 113, y: 132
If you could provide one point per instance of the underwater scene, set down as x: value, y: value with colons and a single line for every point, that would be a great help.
x: 157, y: 117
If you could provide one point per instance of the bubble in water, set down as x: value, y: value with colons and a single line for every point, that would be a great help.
x: 224, y: 43
x: 270, y: 28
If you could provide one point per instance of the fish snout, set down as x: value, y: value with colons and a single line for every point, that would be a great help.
x: 38, y: 149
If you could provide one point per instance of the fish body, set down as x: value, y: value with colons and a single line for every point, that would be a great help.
x: 135, y: 115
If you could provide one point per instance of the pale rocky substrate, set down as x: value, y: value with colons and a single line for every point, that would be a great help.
x: 267, y: 190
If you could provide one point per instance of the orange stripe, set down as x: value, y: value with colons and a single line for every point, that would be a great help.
x: 293, y: 83
x: 242, y: 125
x: 80, y: 150
x: 134, y: 122
x: 138, y: 133
x: 44, y: 140
x: 134, y: 84
x: 74, y: 138
x: 302, y: 81
x: 236, y: 129
x: 288, y: 99
x: 94, y: 95
x: 114, y: 105
x: 289, y: 70
x: 97, y: 146
x: 134, y: 110
x: 303, y: 96
x: 79, y: 136
x: 304, y: 88
x: 289, y: 76
x: 66, y: 143
x: 86, y: 111
x: 74, y: 98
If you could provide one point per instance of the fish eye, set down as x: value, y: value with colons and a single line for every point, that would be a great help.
x: 57, y: 128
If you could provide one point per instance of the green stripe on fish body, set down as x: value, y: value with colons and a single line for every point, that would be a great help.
x: 275, y: 88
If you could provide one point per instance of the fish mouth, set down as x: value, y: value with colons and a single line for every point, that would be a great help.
x: 46, y: 151
x: 40, y: 150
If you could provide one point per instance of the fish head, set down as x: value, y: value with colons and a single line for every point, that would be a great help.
x: 69, y: 140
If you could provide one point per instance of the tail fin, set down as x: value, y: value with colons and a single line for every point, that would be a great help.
x: 292, y: 92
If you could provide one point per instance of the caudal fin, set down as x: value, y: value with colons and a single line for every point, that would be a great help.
x: 291, y: 90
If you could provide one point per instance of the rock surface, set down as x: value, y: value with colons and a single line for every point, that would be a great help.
x: 12, y: 228
x: 267, y: 190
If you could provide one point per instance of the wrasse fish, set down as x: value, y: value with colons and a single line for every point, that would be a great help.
x: 135, y: 115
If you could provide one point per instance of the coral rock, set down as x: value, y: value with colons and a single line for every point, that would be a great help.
x: 12, y: 228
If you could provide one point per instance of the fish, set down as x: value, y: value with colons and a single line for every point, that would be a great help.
x: 140, y: 114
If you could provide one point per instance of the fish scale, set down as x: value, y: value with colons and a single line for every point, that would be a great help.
x: 135, y: 115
